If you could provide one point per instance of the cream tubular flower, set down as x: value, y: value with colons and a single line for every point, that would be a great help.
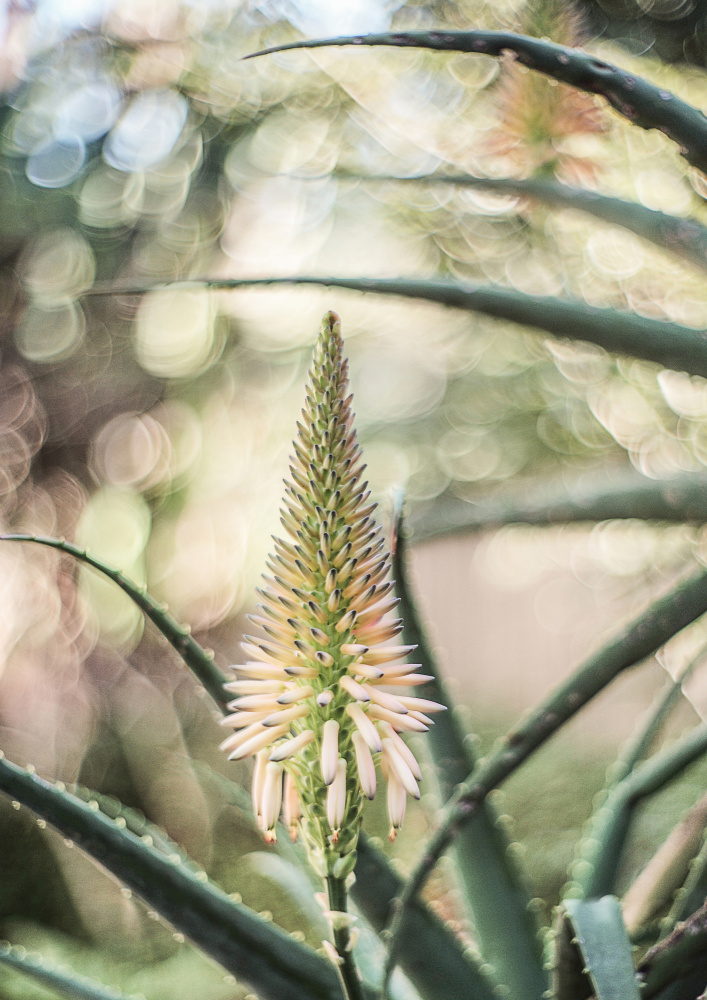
x: 321, y: 698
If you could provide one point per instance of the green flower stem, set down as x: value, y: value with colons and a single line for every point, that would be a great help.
x: 669, y: 344
x: 432, y: 957
x: 350, y: 980
x: 684, y: 238
x: 642, y: 637
x: 637, y: 100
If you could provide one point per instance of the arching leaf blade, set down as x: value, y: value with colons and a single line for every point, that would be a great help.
x: 684, y: 238
x: 665, y: 343
x: 239, y: 940
x: 506, y: 931
x: 57, y: 978
x: 682, y: 500
x: 195, y: 656
x: 638, y: 101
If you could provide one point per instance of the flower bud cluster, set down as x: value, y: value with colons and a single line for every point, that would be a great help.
x: 321, y: 698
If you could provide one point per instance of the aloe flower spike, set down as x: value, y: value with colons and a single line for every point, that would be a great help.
x: 312, y: 705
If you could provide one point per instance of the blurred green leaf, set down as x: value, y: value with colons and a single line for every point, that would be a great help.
x: 684, y: 238
x: 663, y: 619
x: 56, y: 978
x: 610, y: 826
x: 682, y: 500
x: 195, y: 656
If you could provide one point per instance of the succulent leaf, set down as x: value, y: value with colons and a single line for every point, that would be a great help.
x: 680, y: 348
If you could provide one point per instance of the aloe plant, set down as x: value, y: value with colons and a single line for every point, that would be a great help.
x: 322, y: 701
x: 148, y: 864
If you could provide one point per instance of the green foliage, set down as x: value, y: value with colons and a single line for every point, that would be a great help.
x: 668, y: 344
x: 494, y: 887
x: 593, y: 952
x: 642, y: 103
x: 508, y: 397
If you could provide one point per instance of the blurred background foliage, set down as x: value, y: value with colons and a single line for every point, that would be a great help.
x: 136, y: 147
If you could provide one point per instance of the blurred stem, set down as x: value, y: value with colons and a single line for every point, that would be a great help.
x: 336, y: 891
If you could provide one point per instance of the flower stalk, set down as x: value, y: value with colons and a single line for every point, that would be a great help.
x: 321, y: 697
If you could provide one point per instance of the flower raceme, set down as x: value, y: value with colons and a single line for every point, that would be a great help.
x: 314, y: 702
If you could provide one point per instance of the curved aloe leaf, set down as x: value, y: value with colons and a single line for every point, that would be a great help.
x: 433, y: 959
x: 244, y: 944
x: 55, y: 977
x: 195, y: 656
x: 611, y: 824
x: 639, y: 101
x: 668, y: 344
x: 377, y: 885
x: 692, y: 893
x: 682, y: 500
x: 642, y: 637
x: 636, y: 748
x: 684, y: 238
x: 506, y: 931
x: 593, y: 950
x: 671, y: 875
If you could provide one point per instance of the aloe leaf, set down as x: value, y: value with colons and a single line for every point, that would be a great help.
x: 594, y: 952
x: 292, y: 879
x: 195, y: 656
x: 637, y: 747
x: 669, y: 344
x: 245, y: 945
x: 433, y: 959
x: 639, y: 101
x: 690, y: 896
x: 506, y: 931
x: 682, y: 500
x: 676, y: 956
x: 672, y: 874
x: 613, y: 820
x: 55, y: 977
x: 642, y: 637
x: 433, y: 944
x: 685, y: 238
x: 598, y: 838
